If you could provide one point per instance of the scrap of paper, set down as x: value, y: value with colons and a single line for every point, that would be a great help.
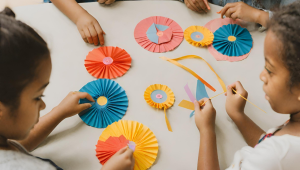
x: 189, y: 93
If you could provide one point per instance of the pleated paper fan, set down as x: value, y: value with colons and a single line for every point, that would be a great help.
x: 110, y: 106
x: 215, y: 24
x: 146, y: 148
x: 158, y: 34
x: 198, y: 36
x: 161, y: 97
x: 107, y: 62
x: 105, y: 150
x: 232, y: 40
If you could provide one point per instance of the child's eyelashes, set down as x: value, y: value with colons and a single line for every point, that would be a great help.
x: 39, y: 98
x: 268, y: 70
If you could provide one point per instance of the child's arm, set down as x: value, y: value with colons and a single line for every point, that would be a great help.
x: 89, y: 28
x: 240, y: 10
x: 67, y: 108
x: 205, y: 120
x: 235, y: 105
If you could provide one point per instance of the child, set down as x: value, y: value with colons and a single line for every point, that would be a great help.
x: 25, y: 69
x: 280, y: 147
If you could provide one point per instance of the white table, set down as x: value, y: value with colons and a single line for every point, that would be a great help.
x: 72, y: 143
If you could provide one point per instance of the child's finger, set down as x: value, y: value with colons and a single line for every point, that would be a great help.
x: 229, y: 12
x: 83, y: 36
x: 84, y: 95
x: 122, y: 150
x: 129, y: 152
x: 196, y: 105
x: 88, y: 35
x: 206, y: 3
x: 229, y: 90
x: 201, y: 5
x: 234, y: 16
x: 100, y: 33
x: 84, y: 106
x: 94, y: 34
x: 191, y: 6
x: 225, y: 8
x: 108, y: 2
x: 101, y: 1
x: 240, y: 89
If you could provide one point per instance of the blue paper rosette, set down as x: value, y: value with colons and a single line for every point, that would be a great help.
x: 232, y: 40
x: 110, y: 104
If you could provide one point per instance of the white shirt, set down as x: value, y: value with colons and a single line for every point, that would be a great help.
x: 274, y: 153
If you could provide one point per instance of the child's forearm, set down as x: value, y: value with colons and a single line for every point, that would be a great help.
x: 208, y: 155
x: 70, y: 8
x: 42, y: 129
x: 250, y: 131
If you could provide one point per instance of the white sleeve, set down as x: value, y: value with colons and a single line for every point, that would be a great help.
x: 266, y: 156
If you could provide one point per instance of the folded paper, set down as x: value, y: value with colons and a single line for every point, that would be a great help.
x: 146, y: 146
x: 198, y: 36
x: 161, y: 97
x: 107, y: 62
x: 215, y: 24
x: 158, y: 34
x: 110, y: 104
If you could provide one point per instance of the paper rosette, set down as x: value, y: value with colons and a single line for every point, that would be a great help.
x: 110, y: 105
x: 146, y: 143
x: 158, y: 34
x: 232, y: 40
x: 215, y: 24
x: 198, y: 35
x: 107, y: 62
x: 161, y: 97
x: 106, y: 149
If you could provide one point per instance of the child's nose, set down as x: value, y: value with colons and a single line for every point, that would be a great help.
x: 43, y: 105
x: 263, y: 77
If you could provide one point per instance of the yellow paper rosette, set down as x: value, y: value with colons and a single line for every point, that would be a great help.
x: 161, y: 97
x: 198, y: 35
x: 146, y: 146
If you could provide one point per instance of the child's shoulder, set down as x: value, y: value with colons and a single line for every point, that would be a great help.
x: 17, y: 160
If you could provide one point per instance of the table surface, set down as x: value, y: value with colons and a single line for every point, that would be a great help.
x: 72, y: 144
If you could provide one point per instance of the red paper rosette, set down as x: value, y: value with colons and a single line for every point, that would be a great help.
x: 158, y: 34
x: 107, y: 62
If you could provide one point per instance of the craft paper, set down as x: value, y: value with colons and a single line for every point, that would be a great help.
x: 146, y: 148
x: 110, y: 105
x: 187, y: 104
x: 215, y: 24
x: 105, y: 150
x: 232, y: 40
x: 198, y: 36
x: 201, y: 91
x: 161, y: 97
x: 158, y: 34
x: 174, y: 61
x: 107, y: 62
x: 189, y: 93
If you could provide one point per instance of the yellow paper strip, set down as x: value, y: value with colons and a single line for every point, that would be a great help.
x: 212, y: 98
x: 167, y: 121
x: 187, y: 104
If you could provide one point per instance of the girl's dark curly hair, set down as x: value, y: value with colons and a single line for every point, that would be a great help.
x: 285, y: 23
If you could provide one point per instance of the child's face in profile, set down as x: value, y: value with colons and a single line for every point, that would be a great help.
x: 19, y: 123
x: 276, y: 77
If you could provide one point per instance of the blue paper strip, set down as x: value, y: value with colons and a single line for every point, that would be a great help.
x: 201, y: 91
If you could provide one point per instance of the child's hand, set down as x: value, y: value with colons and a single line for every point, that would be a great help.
x: 200, y: 6
x: 70, y: 106
x: 90, y: 30
x: 106, y: 2
x: 240, y: 10
x: 235, y: 104
x: 205, y: 115
x: 122, y: 160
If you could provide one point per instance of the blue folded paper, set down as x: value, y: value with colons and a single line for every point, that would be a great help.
x: 110, y: 108
x: 200, y: 93
x: 232, y: 40
x: 152, y: 32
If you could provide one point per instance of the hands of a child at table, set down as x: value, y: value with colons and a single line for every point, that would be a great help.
x: 106, y: 2
x: 89, y: 29
x: 240, y: 10
x: 200, y: 6
x: 205, y: 115
x: 235, y: 104
x: 122, y: 160
x: 70, y: 106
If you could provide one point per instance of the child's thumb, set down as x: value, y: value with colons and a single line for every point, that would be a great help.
x: 197, y: 106
x: 85, y: 106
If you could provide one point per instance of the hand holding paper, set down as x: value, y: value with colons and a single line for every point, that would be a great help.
x: 122, y: 160
x: 205, y: 115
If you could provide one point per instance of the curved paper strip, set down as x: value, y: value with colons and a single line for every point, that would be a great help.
x: 213, y: 25
x: 146, y: 143
x: 107, y: 62
x: 140, y: 34
x: 117, y: 102
x: 105, y: 150
x: 206, y: 40
x: 164, y: 105
x: 239, y: 44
